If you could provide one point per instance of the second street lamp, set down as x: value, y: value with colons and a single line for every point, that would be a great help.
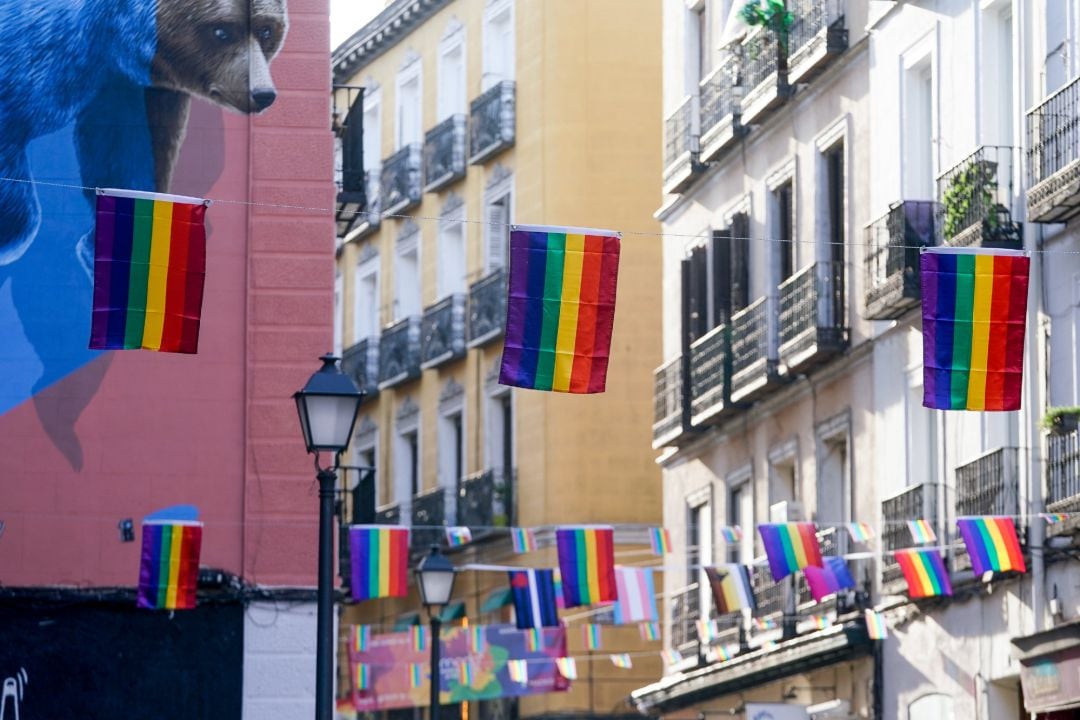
x: 435, y: 576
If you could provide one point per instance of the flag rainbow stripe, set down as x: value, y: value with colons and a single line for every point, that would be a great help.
x: 860, y: 532
x: 561, y: 308
x: 730, y: 533
x: 534, y: 639
x: 671, y: 657
x: 706, y: 630
x: 730, y: 585
x: 875, y: 625
x: 921, y: 532
x: 725, y: 652
x: 149, y: 268
x: 592, y: 636
x: 924, y: 571
x: 465, y: 673
x: 821, y: 622
x: 567, y: 667
x: 1052, y: 518
x: 169, y: 567
x: 518, y: 671
x: 974, y: 306
x: 380, y: 557
x: 361, y: 636
x: 416, y: 675
x: 587, y: 564
x: 790, y: 547
x: 458, y: 536
x: 763, y: 623
x: 477, y: 639
x: 419, y: 638
x: 649, y: 630
x: 992, y: 544
x: 660, y: 540
x: 524, y: 540
x: 362, y: 679
x: 622, y: 660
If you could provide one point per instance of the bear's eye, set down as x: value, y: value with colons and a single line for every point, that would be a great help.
x: 265, y: 33
x: 222, y: 34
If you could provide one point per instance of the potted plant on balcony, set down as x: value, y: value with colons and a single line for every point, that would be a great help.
x: 971, y: 191
x: 1061, y: 420
x: 770, y: 14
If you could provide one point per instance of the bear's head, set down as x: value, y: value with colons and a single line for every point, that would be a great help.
x: 220, y: 50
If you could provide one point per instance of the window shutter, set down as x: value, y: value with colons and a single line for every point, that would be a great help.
x: 498, y: 232
x: 699, y: 292
x: 685, y: 337
x: 352, y: 148
x: 721, y: 273
x: 740, y: 262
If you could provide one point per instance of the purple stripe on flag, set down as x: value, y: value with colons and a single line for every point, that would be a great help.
x: 929, y: 269
x: 515, y: 320
x: 104, y: 235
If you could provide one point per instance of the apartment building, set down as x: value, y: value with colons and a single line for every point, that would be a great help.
x: 455, y: 119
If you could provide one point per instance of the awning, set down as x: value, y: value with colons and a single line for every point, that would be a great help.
x: 453, y: 611
x: 497, y: 599
x: 406, y: 621
x: 1050, y: 668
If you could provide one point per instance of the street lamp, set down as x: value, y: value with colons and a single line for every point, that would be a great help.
x: 328, y: 406
x: 435, y: 576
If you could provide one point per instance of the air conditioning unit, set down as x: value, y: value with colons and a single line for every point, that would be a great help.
x: 831, y: 710
x: 786, y: 511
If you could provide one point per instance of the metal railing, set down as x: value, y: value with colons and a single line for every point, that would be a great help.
x: 360, y: 361
x: 812, y: 308
x: 428, y: 520
x: 719, y: 94
x: 1053, y: 134
x: 492, y: 122
x: 1063, y: 472
x: 762, y: 57
x: 442, y: 332
x: 768, y: 594
x: 749, y: 338
x: 915, y: 502
x: 444, y: 153
x: 680, y: 136
x: 401, y: 182
x: 976, y: 198
x: 685, y: 612
x: 710, y: 370
x: 399, y: 352
x: 988, y: 485
x: 487, y: 307
x: 892, y: 256
x: 668, y: 399
x: 355, y: 210
x: 388, y: 515
x: 476, y: 500
x: 812, y: 17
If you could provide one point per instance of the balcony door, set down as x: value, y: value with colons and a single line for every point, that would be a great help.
x: 451, y: 90
x: 409, y: 108
x: 918, y: 138
x: 407, y: 275
x: 451, y: 266
x: 372, y: 129
x: 498, y: 56
x: 699, y: 548
x: 366, y: 297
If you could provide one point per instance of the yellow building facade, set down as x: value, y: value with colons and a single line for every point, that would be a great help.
x: 455, y: 119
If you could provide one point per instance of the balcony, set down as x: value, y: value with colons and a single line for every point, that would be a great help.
x: 487, y: 499
x: 813, y: 321
x: 710, y: 376
x: 754, y: 364
x: 685, y: 612
x: 1053, y: 142
x: 892, y: 257
x: 720, y: 95
x: 670, y: 411
x: 399, y: 353
x: 1063, y: 472
x: 401, y: 186
x: 442, y: 332
x: 833, y: 541
x: 357, y: 507
x: 915, y: 502
x: 988, y: 485
x: 681, y: 164
x: 816, y: 37
x: 444, y: 153
x: 487, y: 308
x: 360, y: 361
x: 428, y: 520
x: 768, y: 594
x: 359, y: 213
x: 388, y: 515
x: 975, y: 196
x: 764, y: 78
x: 492, y: 122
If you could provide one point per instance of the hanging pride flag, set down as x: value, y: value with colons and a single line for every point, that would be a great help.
x: 587, y: 563
x: 730, y: 585
x: 419, y: 638
x: 860, y: 532
x: 592, y: 636
x: 1052, y: 518
x: 561, y: 308
x: 458, y: 536
x: 622, y: 660
x: 518, y: 670
x: 829, y: 579
x: 921, y: 532
x: 560, y: 600
x: 707, y: 630
x: 671, y: 657
x: 533, y: 591
x: 924, y: 571
x: 524, y: 540
x: 724, y: 653
x: 649, y: 630
x: 361, y: 637
x: 149, y: 267
x: 416, y: 675
x: 875, y: 625
x: 730, y: 534
x: 567, y: 667
x: 763, y: 623
x: 637, y: 595
x: 380, y: 556
x: 790, y: 547
x: 992, y: 544
x: 659, y: 540
x: 974, y: 305
x: 465, y: 673
x: 362, y: 679
x: 169, y: 567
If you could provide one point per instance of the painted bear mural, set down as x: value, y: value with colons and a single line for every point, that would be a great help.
x: 99, y: 93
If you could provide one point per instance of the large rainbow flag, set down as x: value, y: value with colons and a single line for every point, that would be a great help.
x: 992, y: 544
x: 169, y: 570
x: 149, y: 267
x: 561, y: 308
x: 587, y: 564
x: 974, y: 305
x: 380, y: 558
x: 790, y: 547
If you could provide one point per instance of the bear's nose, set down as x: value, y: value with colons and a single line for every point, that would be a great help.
x: 262, y: 98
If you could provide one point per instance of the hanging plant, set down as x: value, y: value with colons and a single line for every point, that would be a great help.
x: 970, y: 198
x: 770, y: 14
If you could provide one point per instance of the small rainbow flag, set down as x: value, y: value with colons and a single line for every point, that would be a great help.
x: 924, y: 571
x: 169, y: 567
x: 875, y: 625
x: 921, y: 532
x: 730, y: 534
x: 587, y: 564
x: 149, y: 269
x: 561, y: 308
x: 992, y: 544
x: 622, y: 660
x: 649, y: 630
x: 725, y: 652
x: 534, y: 639
x: 419, y: 637
x: 592, y: 637
x: 567, y: 667
x: 380, y: 556
x: 465, y: 673
x: 790, y: 547
x: 820, y: 622
x: 524, y: 540
x: 362, y: 679
x: 477, y: 639
x: 416, y: 675
x: 763, y: 623
x: 518, y: 670
x: 829, y: 579
x: 660, y: 540
x: 671, y: 657
x: 860, y: 532
x: 974, y: 307
x: 1052, y: 518
x: 706, y: 630
x: 556, y: 579
x: 361, y: 636
x: 458, y: 536
x: 730, y: 585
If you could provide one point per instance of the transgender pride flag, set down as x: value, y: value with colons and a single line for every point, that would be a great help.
x: 637, y: 595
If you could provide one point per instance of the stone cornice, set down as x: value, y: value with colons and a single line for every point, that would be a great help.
x: 386, y: 30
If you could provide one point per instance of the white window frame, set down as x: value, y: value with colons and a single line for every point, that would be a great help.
x: 372, y: 128
x: 452, y: 220
x: 408, y: 242
x: 366, y: 439
x: 453, y: 40
x: 407, y: 422
x: 411, y: 69
x: 701, y: 500
x: 921, y: 53
x: 495, y: 11
x: 365, y: 268
x: 502, y: 186
x: 742, y: 479
x: 451, y: 404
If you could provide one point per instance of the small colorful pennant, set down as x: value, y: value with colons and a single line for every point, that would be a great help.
x: 706, y: 630
x: 763, y: 623
x: 1052, y: 518
x: 649, y: 630
x: 660, y: 540
x: 169, y: 565
x: 524, y: 539
x: 416, y: 675
x: 361, y: 636
x: 362, y: 679
x: 592, y: 636
x: 671, y: 657
x: 790, y: 546
x: 821, y: 622
x: 992, y: 544
x: 587, y: 562
x: 921, y: 532
x: 637, y: 595
x: 380, y: 558
x: 622, y: 660
x: 567, y: 667
x: 534, y: 639
x: 419, y: 637
x: 478, y: 641
x: 730, y: 585
x: 861, y: 532
x: 730, y: 534
x: 924, y: 571
x: 465, y: 673
x: 518, y: 671
x: 875, y: 625
x: 724, y: 653
x: 458, y: 536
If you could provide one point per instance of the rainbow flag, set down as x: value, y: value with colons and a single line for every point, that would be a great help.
x: 829, y: 579
x: 419, y: 637
x: 524, y: 540
x: 660, y: 540
x: 671, y: 657
x: 361, y: 636
x: 362, y: 679
x: 534, y: 639
x: 622, y: 660
x: 169, y: 568
x: 561, y: 308
x: 921, y: 532
x: 706, y: 630
x: 567, y: 667
x: 860, y: 532
x: 924, y: 571
x: 649, y: 630
x: 587, y: 564
x: 458, y: 536
x: 992, y: 544
x: 763, y: 623
x: 556, y: 578
x: 724, y: 653
x: 875, y: 625
x: 465, y: 673
x: 730, y: 534
x: 416, y: 675
x: 380, y: 557
x: 730, y: 585
x: 1052, y: 518
x: 477, y: 639
x: 790, y: 547
x: 820, y: 622
x: 592, y: 637
x: 149, y: 268
x: 974, y: 306
x: 518, y: 671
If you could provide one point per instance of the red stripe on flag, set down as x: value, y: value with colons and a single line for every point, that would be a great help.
x: 1012, y: 544
x: 175, y: 286
x: 810, y: 543
x: 586, y: 323
x: 993, y: 396
x: 1014, y: 349
x: 605, y: 565
x: 605, y: 314
x: 399, y: 554
x: 194, y: 279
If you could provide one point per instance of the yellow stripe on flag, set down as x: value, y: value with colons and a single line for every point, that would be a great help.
x: 797, y: 545
x: 568, y: 315
x: 384, y: 564
x: 1000, y: 549
x: 158, y: 276
x: 924, y: 576
x: 980, y: 331
x: 592, y: 565
x: 177, y: 535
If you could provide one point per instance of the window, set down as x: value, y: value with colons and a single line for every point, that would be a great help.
x: 699, y: 549
x: 996, y: 70
x: 715, y: 278
x: 701, y: 24
x: 339, y: 313
x: 451, y: 265
x: 834, y: 200
x: 451, y: 88
x: 499, y: 451
x: 782, y: 231
x: 366, y: 311
x: 917, y: 131
x: 498, y: 209
x: 406, y: 466
x: 498, y: 60
x: 741, y: 514
x: 451, y: 450
x: 783, y: 474
x: 921, y: 434
x: 372, y: 129
x: 409, y: 109
x: 834, y: 487
x: 407, y: 275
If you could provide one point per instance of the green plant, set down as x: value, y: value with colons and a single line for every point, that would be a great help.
x: 771, y: 14
x: 1056, y: 417
x: 970, y: 194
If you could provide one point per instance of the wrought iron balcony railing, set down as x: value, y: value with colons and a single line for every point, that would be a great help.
x: 976, y: 197
x: 681, y: 146
x: 710, y: 376
x: 764, y: 75
x: 988, y: 485
x: 813, y: 318
x: 719, y: 95
x: 492, y: 122
x: 444, y: 153
x: 428, y: 520
x: 753, y: 351
x: 399, y: 353
x: 1053, y: 149
x: 401, y: 184
x: 892, y: 257
x: 670, y: 413
x: 476, y: 500
x: 361, y: 362
x: 817, y: 35
x: 442, y: 332
x: 768, y: 594
x: 914, y: 503
x: 685, y: 612
x: 487, y: 308
x: 388, y: 514
x: 1063, y: 472
x: 359, y: 214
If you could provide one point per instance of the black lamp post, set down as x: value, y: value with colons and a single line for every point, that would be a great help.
x: 328, y: 406
x: 435, y: 576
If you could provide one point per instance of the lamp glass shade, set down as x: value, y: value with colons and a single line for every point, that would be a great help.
x: 435, y: 576
x: 328, y: 406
